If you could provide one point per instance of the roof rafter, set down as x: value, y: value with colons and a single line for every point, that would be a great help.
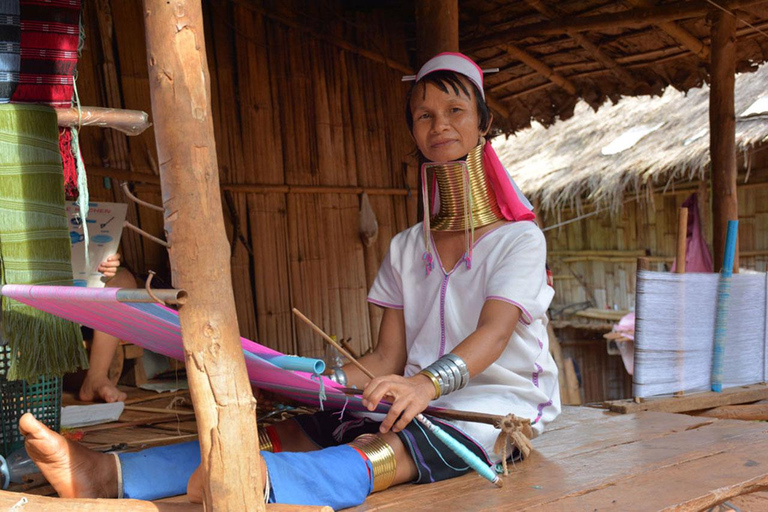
x: 632, y: 18
x: 678, y: 33
x: 540, y: 67
x: 592, y: 49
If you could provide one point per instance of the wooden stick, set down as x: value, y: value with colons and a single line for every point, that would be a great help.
x: 335, y: 345
x: 130, y: 122
x: 156, y: 396
x: 139, y: 408
x: 682, y: 239
x: 450, y: 414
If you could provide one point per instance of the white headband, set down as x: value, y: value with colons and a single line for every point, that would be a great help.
x: 457, y: 62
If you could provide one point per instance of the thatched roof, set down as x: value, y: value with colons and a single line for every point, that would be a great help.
x: 554, y: 52
x: 601, y: 155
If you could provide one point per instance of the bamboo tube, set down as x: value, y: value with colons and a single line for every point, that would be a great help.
x: 682, y: 239
x: 130, y: 122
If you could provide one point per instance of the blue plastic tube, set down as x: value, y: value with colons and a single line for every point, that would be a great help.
x: 723, y: 306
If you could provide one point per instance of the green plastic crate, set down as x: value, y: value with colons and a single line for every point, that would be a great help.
x: 43, y: 399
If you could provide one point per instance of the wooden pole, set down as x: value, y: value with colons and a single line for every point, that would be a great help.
x: 722, y: 131
x: 437, y: 28
x: 682, y: 239
x: 221, y: 392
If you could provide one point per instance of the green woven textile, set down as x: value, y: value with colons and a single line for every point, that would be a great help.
x: 35, y: 247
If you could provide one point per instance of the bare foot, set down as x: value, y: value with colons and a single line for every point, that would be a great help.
x: 73, y: 470
x: 100, y: 389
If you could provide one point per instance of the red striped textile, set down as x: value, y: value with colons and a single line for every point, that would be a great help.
x: 50, y: 34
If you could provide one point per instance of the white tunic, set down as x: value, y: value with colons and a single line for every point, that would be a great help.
x: 443, y: 308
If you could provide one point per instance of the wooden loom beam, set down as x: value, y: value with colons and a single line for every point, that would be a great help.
x: 130, y: 122
x: 722, y: 130
x: 221, y: 392
x: 596, y: 53
x: 633, y: 18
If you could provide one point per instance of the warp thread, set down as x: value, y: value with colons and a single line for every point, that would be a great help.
x: 674, y: 338
x: 515, y: 432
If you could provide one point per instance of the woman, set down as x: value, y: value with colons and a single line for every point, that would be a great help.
x: 465, y: 297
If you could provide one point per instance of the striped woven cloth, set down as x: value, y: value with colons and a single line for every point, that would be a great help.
x: 50, y: 35
x: 10, y: 39
x: 35, y: 245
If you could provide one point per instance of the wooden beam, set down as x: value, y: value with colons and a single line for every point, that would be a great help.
x: 552, y: 12
x: 694, y: 401
x: 722, y: 130
x: 199, y: 255
x: 130, y: 122
x: 635, y: 61
x: 540, y: 67
x: 678, y: 33
x: 23, y: 501
x: 633, y: 18
x: 437, y: 28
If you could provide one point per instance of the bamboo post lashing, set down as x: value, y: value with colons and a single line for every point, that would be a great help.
x: 129, y: 122
x: 470, y: 458
x: 200, y: 261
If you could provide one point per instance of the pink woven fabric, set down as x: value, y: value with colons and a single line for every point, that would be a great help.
x: 157, y: 328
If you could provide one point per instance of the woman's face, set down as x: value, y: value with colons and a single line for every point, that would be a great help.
x: 445, y: 125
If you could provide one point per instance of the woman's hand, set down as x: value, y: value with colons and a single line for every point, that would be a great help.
x: 409, y: 396
x: 109, y: 266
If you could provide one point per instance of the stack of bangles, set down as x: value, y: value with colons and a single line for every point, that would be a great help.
x: 448, y: 374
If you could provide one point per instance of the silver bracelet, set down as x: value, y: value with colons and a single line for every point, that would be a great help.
x: 339, y: 376
x: 451, y: 373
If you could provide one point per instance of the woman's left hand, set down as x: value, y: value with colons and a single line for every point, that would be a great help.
x: 409, y: 396
x: 109, y: 266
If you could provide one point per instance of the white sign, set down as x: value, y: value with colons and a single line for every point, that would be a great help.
x: 105, y: 225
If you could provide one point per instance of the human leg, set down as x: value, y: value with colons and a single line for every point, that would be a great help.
x: 73, y: 470
x: 97, y: 385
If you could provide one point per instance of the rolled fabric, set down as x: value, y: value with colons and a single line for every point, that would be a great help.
x: 35, y: 245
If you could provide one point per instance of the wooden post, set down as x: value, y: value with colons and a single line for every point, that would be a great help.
x: 199, y: 254
x: 722, y: 132
x: 682, y: 239
x: 437, y: 28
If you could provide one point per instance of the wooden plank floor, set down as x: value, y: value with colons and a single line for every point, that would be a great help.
x: 588, y: 459
x: 593, y: 460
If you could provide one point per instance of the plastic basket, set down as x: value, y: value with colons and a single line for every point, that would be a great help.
x: 43, y: 399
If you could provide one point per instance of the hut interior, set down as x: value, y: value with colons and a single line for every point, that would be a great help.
x: 307, y: 109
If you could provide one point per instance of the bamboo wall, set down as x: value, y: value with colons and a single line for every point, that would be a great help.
x: 595, y: 258
x: 291, y: 107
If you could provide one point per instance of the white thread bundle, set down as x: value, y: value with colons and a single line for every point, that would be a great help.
x: 674, y: 332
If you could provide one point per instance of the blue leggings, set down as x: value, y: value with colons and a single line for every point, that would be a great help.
x: 337, y: 477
